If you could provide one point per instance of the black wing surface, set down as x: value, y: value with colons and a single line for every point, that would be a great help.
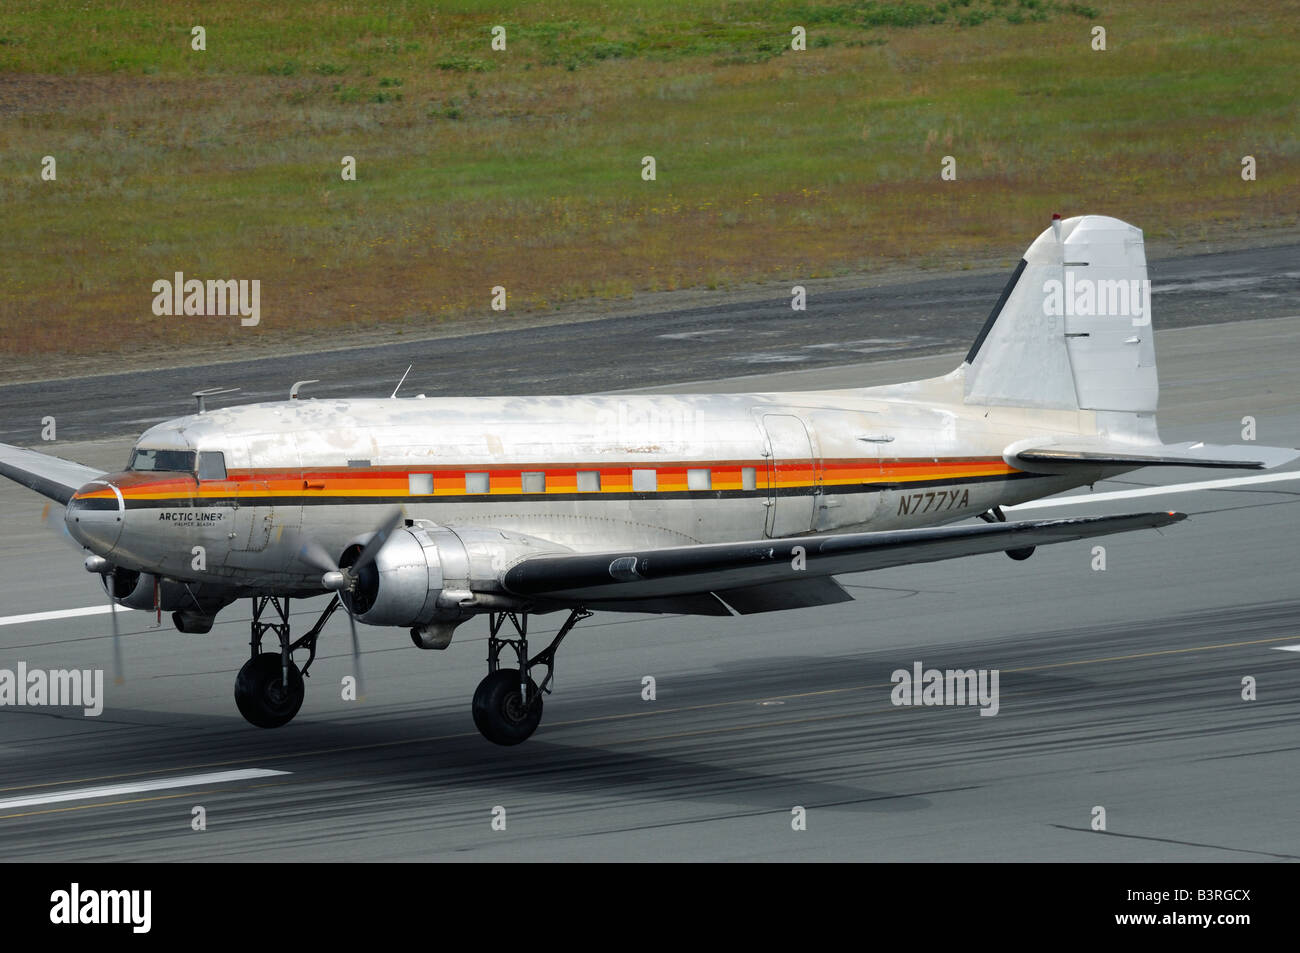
x: 769, y: 574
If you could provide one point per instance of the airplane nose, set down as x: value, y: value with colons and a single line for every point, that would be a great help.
x: 94, y: 516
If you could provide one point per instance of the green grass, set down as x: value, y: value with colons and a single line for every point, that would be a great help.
x: 522, y: 168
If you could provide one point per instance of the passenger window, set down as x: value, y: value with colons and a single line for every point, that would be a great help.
x: 476, y: 483
x: 645, y: 481
x: 419, y: 484
x: 588, y: 481
x: 699, y: 479
x: 748, y: 478
x: 212, y: 465
x: 533, y: 481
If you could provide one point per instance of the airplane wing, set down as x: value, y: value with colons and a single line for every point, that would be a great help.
x: 761, y: 575
x: 49, y: 476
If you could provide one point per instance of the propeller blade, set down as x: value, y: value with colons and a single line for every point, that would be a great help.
x: 118, y: 677
x: 382, y: 535
x: 356, y: 656
x: 53, y: 518
x: 335, y: 579
x: 311, y: 552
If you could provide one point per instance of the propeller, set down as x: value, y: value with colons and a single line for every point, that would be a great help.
x: 119, y: 676
x: 54, y: 518
x: 98, y: 564
x: 343, y: 579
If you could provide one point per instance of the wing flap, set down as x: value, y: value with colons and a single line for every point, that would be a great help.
x: 742, y: 568
x: 49, y: 476
x: 795, y: 594
x: 705, y: 603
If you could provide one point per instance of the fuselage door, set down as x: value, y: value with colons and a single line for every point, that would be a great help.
x: 255, y: 510
x: 791, y: 476
x: 254, y: 515
x: 253, y: 525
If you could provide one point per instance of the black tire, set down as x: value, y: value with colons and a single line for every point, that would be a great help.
x: 499, y: 712
x: 260, y: 696
x: 1023, y: 553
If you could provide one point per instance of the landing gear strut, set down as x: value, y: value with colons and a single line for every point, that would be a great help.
x: 996, y: 515
x: 508, y: 703
x: 269, y: 688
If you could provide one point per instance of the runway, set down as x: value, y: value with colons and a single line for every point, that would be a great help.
x: 737, y: 336
x: 1120, y: 689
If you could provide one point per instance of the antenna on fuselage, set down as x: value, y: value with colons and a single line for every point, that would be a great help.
x: 293, y: 391
x: 202, y: 395
x: 401, y: 382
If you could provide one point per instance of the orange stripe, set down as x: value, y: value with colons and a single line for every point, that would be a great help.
x: 450, y: 481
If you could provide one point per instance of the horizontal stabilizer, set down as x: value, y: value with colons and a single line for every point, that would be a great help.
x: 1057, y: 456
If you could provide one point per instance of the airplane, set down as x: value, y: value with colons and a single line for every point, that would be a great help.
x: 422, y: 513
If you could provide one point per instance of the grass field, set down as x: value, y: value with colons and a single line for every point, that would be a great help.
x: 522, y: 167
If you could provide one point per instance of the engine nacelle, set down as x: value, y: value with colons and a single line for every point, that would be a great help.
x: 432, y: 577
x: 197, y: 602
x: 128, y: 586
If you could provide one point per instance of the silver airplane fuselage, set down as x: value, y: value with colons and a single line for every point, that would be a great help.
x: 575, y: 474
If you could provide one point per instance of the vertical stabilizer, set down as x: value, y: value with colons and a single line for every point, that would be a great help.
x: 1072, y: 329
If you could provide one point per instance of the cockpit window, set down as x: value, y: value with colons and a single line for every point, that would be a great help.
x: 212, y: 465
x: 171, y: 461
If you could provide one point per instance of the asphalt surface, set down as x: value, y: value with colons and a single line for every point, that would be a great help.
x: 1119, y: 689
x: 731, y: 338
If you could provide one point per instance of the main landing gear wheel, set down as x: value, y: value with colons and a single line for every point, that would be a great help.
x: 269, y: 688
x: 996, y: 515
x: 500, y: 712
x: 507, y: 706
x: 261, y: 695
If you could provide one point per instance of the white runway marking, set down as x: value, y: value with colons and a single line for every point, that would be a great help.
x: 1158, y: 490
x: 58, y: 614
x: 1286, y: 648
x: 137, y: 787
